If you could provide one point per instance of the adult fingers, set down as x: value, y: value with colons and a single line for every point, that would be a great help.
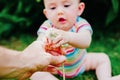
x: 55, y: 60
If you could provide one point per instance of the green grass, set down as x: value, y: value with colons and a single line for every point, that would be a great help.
x: 18, y: 43
x: 108, y: 45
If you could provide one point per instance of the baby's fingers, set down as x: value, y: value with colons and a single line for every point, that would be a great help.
x: 60, y: 43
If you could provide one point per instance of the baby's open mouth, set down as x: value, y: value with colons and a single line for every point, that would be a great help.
x: 62, y: 20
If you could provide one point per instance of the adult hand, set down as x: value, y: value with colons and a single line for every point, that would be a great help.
x: 21, y: 65
x: 37, y: 59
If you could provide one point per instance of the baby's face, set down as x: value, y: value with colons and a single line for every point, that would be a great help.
x: 62, y: 13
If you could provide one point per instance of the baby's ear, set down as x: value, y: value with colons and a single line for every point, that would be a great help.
x: 81, y: 8
x: 45, y: 12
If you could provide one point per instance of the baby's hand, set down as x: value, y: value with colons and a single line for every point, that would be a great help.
x: 57, y: 37
x: 54, y: 41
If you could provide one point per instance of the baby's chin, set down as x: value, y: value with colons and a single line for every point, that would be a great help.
x: 65, y: 28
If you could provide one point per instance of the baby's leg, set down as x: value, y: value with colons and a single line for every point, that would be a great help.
x: 101, y: 63
x: 42, y: 76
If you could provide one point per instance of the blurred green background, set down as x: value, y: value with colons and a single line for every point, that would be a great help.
x: 20, y: 20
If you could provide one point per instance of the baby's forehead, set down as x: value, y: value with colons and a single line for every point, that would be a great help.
x: 47, y: 1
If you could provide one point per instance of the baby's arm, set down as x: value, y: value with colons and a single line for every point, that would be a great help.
x: 79, y: 40
x: 82, y: 39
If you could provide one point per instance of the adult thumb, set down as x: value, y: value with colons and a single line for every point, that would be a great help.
x: 55, y: 60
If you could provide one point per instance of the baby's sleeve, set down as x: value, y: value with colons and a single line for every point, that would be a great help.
x: 83, y: 25
x: 43, y: 28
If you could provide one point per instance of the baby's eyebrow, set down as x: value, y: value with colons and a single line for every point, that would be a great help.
x: 66, y: 1
x: 51, y: 4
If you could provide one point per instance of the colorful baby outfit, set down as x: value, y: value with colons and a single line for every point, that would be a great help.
x: 75, y: 64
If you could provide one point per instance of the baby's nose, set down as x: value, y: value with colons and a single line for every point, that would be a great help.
x: 60, y: 11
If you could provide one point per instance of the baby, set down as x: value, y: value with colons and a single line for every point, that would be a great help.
x: 74, y: 35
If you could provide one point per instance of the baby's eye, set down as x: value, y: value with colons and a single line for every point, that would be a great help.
x: 52, y: 8
x: 66, y: 5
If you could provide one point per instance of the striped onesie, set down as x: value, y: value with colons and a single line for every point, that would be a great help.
x: 74, y: 64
